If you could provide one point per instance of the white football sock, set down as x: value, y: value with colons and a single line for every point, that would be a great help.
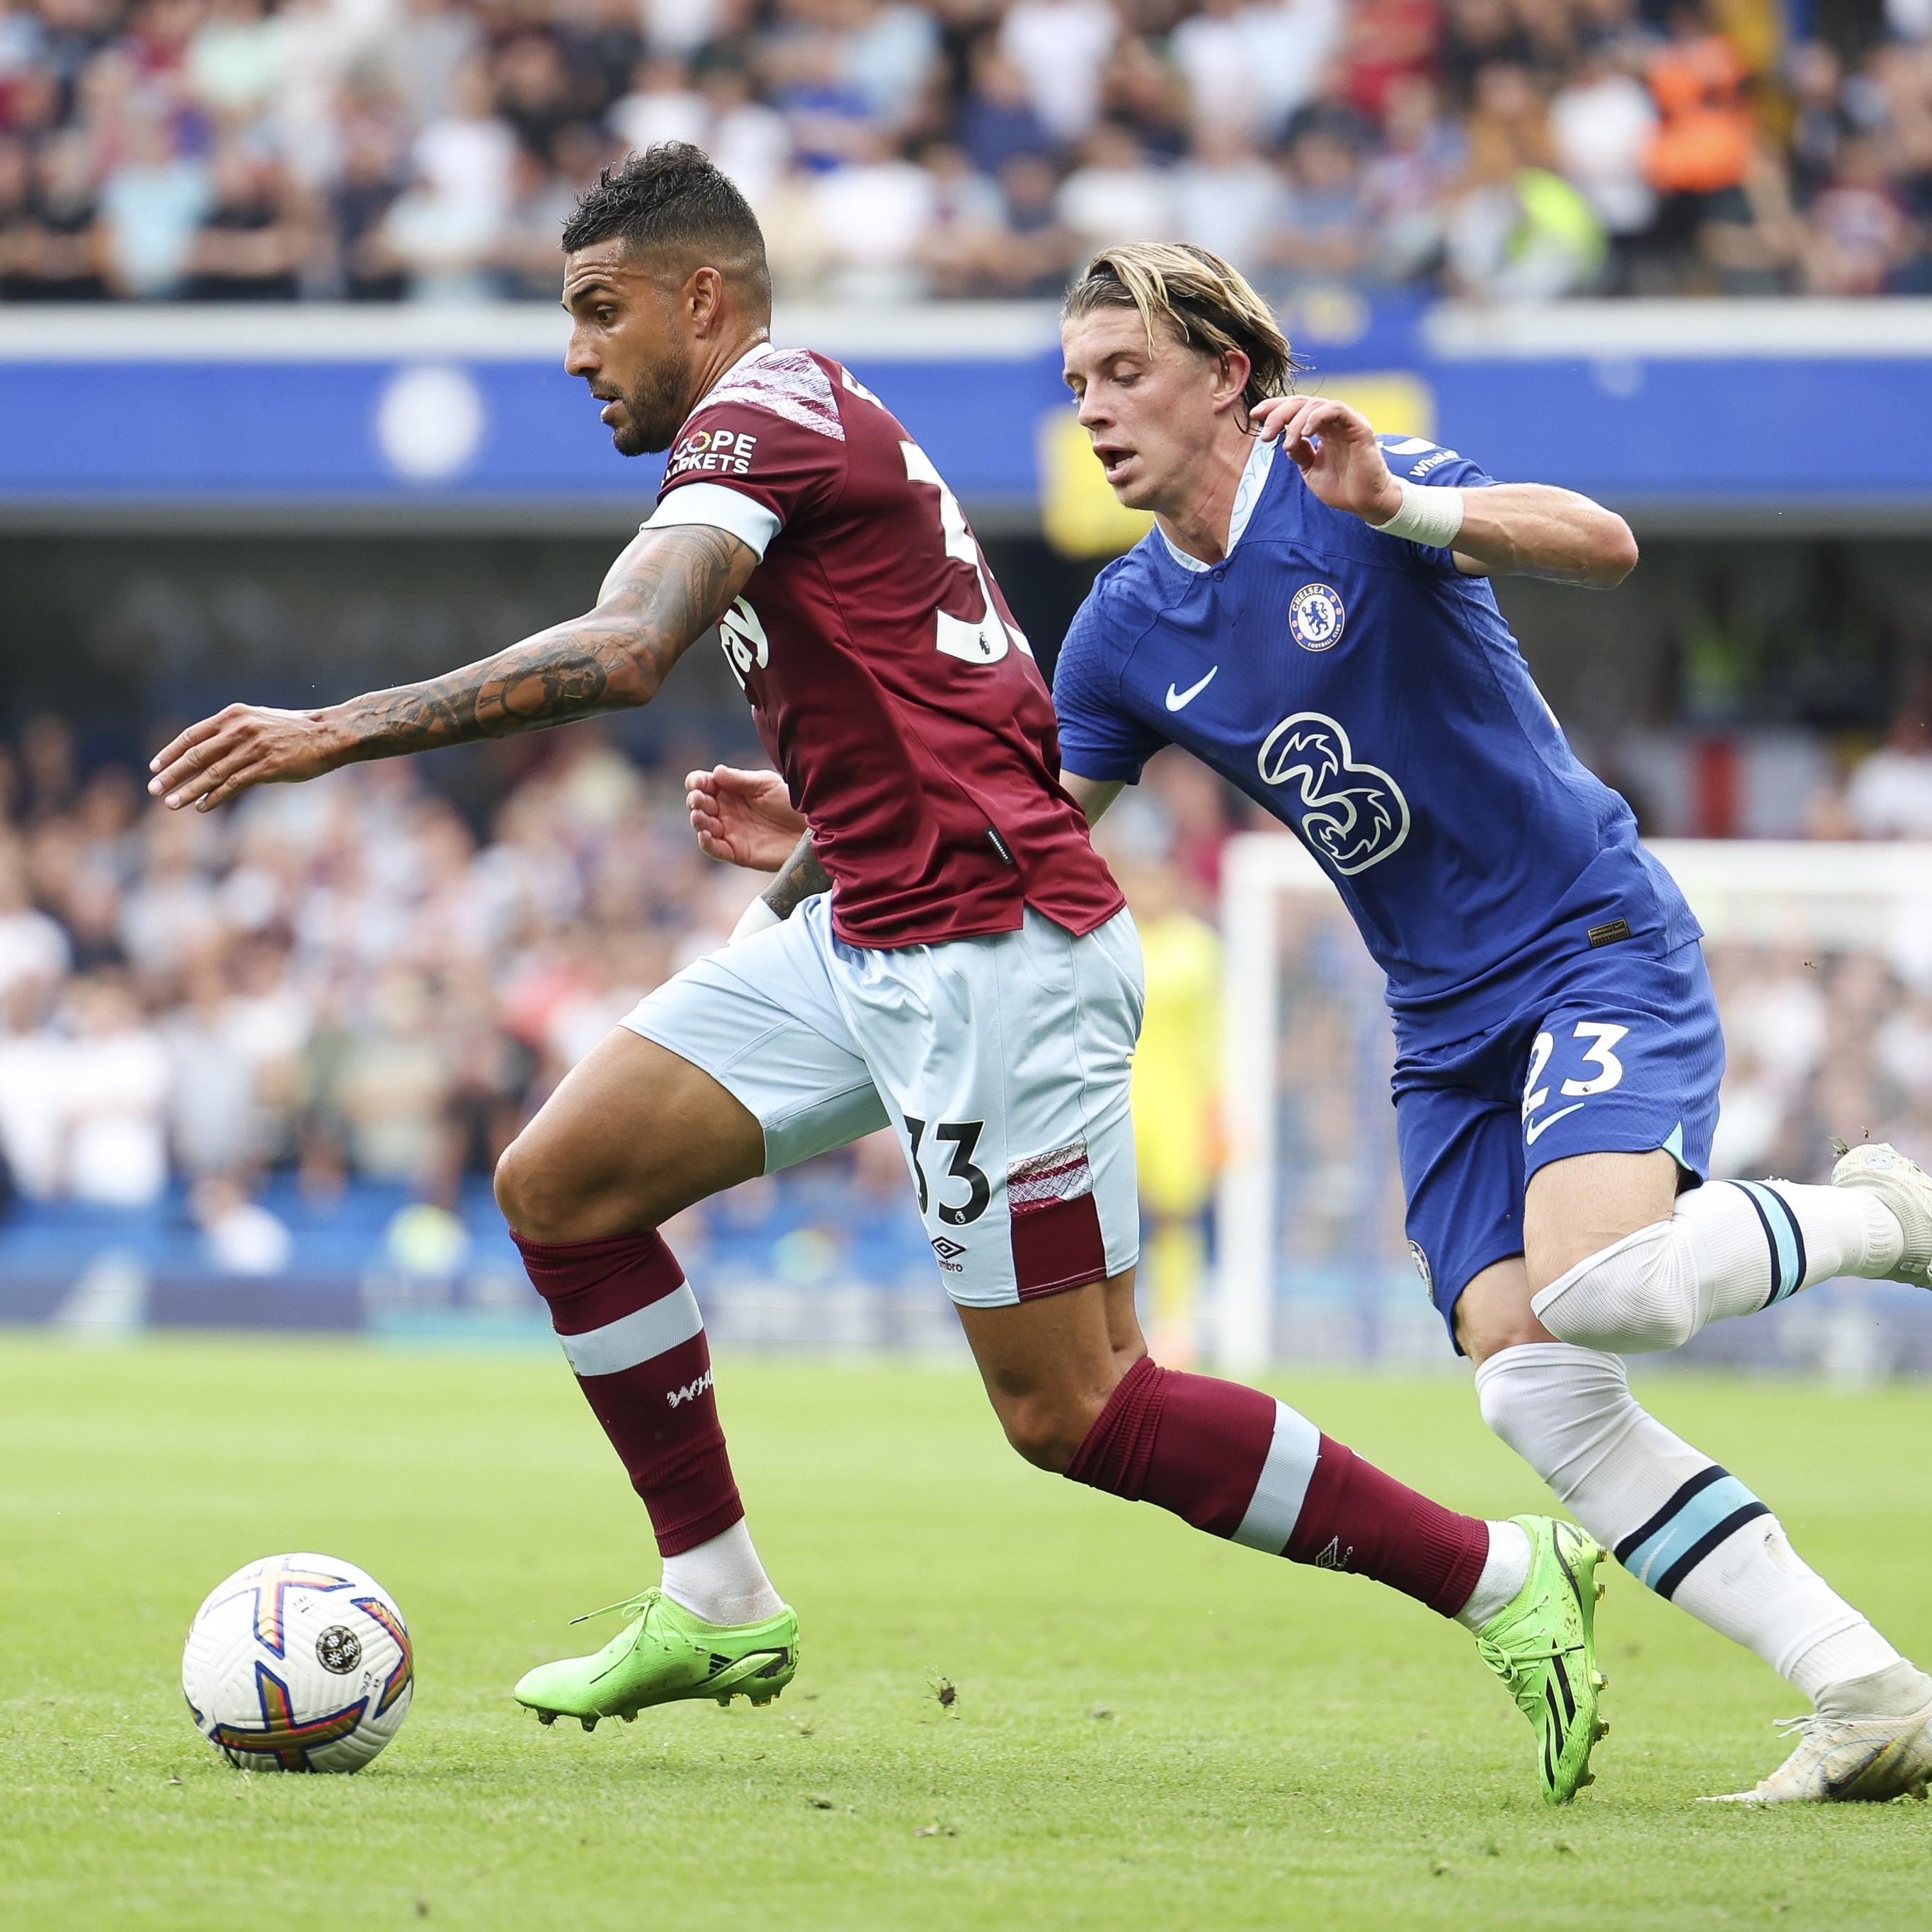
x: 1505, y: 1570
x: 1899, y: 1691
x: 1677, y: 1522
x: 722, y: 1580
x: 1731, y: 1247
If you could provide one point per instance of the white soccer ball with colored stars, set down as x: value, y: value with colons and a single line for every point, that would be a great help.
x: 298, y: 1663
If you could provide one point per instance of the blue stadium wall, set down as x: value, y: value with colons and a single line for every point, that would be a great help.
x: 1720, y: 413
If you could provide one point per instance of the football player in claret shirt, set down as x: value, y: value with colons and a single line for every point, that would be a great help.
x: 1311, y: 616
x: 942, y: 953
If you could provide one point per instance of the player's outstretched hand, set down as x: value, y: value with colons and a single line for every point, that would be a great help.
x: 1336, y: 450
x: 745, y: 818
x: 246, y: 745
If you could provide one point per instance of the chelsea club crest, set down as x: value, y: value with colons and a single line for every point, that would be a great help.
x: 1315, y: 617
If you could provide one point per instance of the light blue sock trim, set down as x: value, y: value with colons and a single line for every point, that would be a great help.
x: 1778, y: 1218
x: 1653, y: 1557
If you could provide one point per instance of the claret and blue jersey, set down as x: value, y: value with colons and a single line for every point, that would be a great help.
x: 1368, y: 694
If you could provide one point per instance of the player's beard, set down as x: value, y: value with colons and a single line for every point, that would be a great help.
x: 656, y: 405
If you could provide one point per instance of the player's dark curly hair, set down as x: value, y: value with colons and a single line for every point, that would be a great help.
x: 1196, y: 295
x: 674, y: 207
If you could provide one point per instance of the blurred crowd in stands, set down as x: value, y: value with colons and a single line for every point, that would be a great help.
x: 343, y: 982
x: 380, y: 150
x: 341, y: 978
x: 345, y: 979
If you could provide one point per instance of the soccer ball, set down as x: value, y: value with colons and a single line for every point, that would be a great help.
x: 298, y: 1663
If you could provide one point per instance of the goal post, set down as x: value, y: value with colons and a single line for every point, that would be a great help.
x: 1310, y: 1258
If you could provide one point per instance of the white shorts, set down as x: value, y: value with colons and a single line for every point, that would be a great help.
x: 1001, y: 1063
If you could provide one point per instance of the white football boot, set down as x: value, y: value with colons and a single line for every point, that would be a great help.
x: 1844, y: 1760
x: 1906, y: 1188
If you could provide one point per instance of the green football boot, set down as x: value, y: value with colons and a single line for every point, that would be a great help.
x: 665, y: 1653
x: 1542, y: 1644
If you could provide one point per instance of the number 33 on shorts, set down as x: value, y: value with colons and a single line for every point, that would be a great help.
x: 1591, y: 1047
x: 964, y: 1137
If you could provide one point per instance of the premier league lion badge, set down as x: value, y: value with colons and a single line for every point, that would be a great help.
x: 1315, y: 617
x: 1422, y: 1268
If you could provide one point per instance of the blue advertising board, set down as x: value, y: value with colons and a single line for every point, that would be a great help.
x: 1791, y: 407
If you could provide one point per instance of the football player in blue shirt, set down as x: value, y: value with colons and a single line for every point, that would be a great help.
x: 1311, y: 616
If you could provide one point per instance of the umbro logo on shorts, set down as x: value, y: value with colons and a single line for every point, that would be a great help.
x: 949, y: 1251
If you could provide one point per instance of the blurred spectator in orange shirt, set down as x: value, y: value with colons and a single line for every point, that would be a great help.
x: 1702, y: 145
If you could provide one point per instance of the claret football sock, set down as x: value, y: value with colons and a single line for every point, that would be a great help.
x: 1675, y: 1520
x: 1731, y: 1248
x: 631, y: 1332
x: 1239, y: 1464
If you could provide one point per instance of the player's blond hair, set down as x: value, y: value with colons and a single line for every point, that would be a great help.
x: 1196, y: 295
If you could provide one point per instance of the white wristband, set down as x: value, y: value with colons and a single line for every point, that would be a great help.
x: 1431, y: 517
x: 755, y: 918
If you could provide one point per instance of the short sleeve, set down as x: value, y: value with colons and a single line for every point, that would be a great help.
x: 1416, y: 460
x: 765, y: 449
x: 1099, y: 738
x: 719, y: 507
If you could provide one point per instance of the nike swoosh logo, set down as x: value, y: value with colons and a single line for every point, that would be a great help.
x: 1177, y: 699
x: 1533, y: 1134
x: 1838, y: 1783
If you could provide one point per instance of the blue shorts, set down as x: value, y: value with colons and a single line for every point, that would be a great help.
x: 1620, y: 1053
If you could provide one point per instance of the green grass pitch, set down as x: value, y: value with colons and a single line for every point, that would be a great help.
x: 1150, y: 1729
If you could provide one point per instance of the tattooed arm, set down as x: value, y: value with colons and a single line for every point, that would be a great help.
x: 800, y: 878
x: 667, y: 590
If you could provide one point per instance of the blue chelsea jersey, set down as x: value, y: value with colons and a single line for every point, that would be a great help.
x: 1370, y: 696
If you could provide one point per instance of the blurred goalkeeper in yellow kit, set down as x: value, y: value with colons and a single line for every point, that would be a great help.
x: 1176, y: 1100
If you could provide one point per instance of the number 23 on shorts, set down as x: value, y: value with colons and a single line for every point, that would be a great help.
x: 1599, y: 1040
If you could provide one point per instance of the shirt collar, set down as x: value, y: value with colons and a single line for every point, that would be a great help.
x: 756, y: 352
x: 1247, y: 494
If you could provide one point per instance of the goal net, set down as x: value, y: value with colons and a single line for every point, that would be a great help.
x: 1822, y: 958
